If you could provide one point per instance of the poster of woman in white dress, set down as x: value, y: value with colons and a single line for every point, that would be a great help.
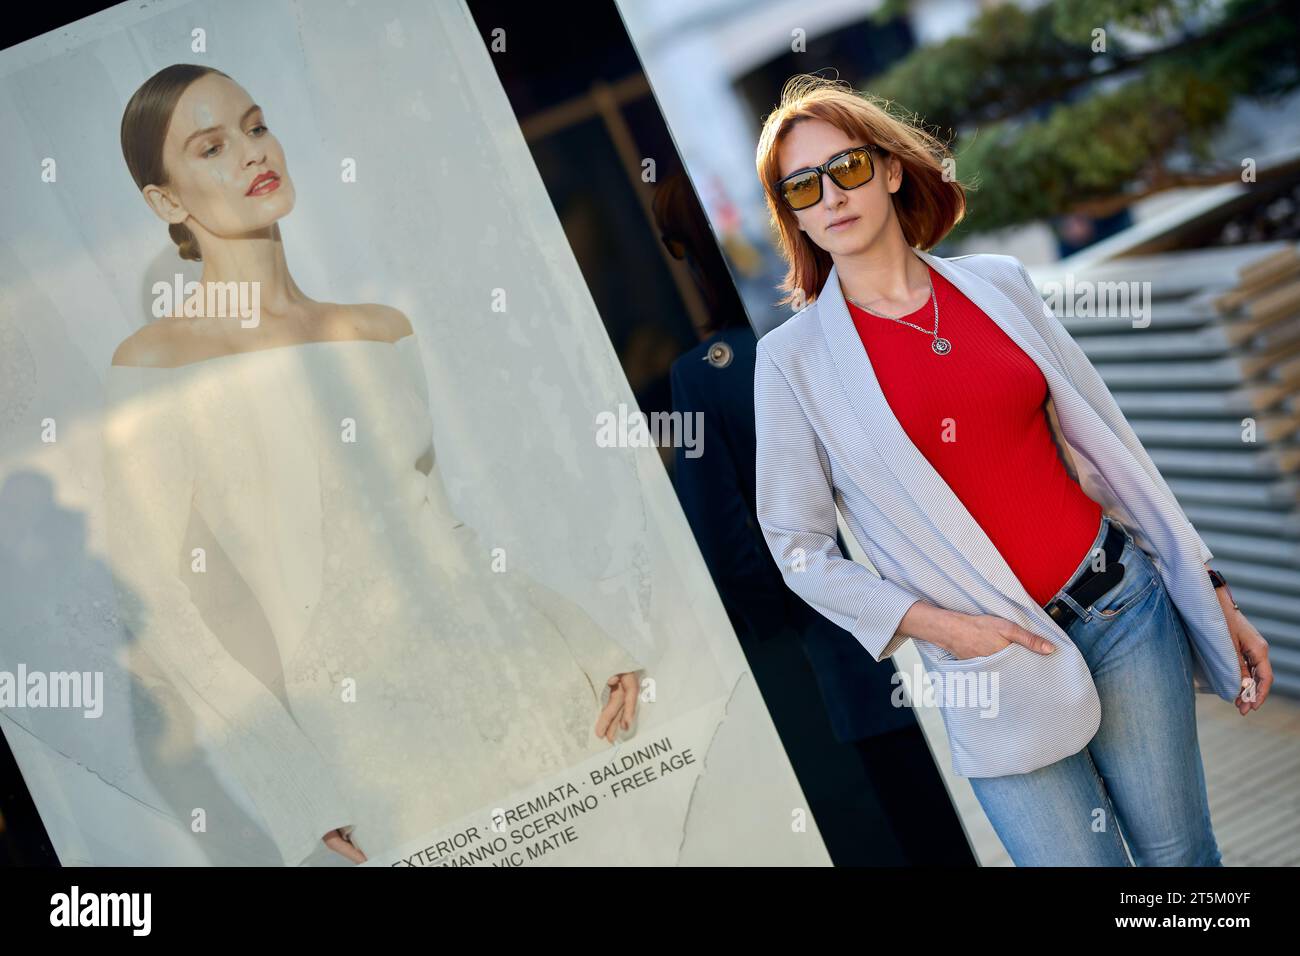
x: 312, y: 362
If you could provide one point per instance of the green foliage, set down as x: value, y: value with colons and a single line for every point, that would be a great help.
x: 1003, y: 66
x: 1044, y: 124
x: 1077, y: 19
x: 1261, y: 60
x: 1087, y: 150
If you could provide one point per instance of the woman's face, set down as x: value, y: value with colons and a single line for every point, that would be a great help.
x: 226, y: 170
x: 845, y: 221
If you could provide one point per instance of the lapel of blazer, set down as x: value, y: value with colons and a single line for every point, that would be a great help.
x: 879, y: 425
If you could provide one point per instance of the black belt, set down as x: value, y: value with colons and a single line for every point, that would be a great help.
x: 1092, y: 584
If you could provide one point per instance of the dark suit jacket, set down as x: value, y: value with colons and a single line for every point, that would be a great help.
x: 717, y: 493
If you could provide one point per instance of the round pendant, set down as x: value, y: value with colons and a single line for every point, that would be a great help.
x: 941, y: 346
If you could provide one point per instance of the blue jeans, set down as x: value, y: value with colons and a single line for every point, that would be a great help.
x: 1141, y: 773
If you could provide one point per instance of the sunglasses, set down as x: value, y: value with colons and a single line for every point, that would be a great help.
x: 848, y: 170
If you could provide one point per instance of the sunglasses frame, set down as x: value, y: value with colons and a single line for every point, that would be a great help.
x: 825, y: 168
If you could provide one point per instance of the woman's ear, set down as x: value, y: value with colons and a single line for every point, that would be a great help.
x: 894, y: 173
x: 164, y: 204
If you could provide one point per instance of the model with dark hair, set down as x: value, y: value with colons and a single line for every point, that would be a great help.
x: 409, y: 679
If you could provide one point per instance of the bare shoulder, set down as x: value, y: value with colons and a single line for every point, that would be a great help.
x: 369, y: 320
x: 383, y: 321
x: 169, y: 342
x: 160, y: 344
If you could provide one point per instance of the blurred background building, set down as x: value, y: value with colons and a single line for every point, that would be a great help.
x: 1069, y: 144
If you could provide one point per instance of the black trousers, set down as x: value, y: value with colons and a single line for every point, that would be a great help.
x: 911, y: 792
x: 878, y: 800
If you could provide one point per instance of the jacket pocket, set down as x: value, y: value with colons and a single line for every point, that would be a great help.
x: 944, y: 657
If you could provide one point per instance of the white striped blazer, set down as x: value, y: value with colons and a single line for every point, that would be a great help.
x: 827, y: 437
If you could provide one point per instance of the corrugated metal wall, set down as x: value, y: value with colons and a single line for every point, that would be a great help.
x: 1212, y: 388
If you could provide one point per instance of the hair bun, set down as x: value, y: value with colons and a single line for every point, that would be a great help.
x: 189, y: 246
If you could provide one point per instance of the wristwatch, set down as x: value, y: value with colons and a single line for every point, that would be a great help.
x: 1221, y: 582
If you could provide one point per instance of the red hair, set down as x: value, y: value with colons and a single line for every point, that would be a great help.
x: 928, y: 203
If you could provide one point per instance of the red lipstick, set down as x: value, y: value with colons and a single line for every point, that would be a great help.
x: 267, y: 182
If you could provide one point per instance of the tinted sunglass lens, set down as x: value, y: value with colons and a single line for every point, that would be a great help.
x: 802, y: 191
x: 852, y: 169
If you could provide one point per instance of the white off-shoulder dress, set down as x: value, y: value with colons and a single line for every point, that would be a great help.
x: 422, y: 684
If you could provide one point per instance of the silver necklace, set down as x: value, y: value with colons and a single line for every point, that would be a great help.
x: 940, y: 345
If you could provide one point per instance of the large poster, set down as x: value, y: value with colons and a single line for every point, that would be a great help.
x: 317, y: 550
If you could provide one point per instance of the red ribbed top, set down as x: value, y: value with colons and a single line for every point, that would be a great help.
x: 977, y: 415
